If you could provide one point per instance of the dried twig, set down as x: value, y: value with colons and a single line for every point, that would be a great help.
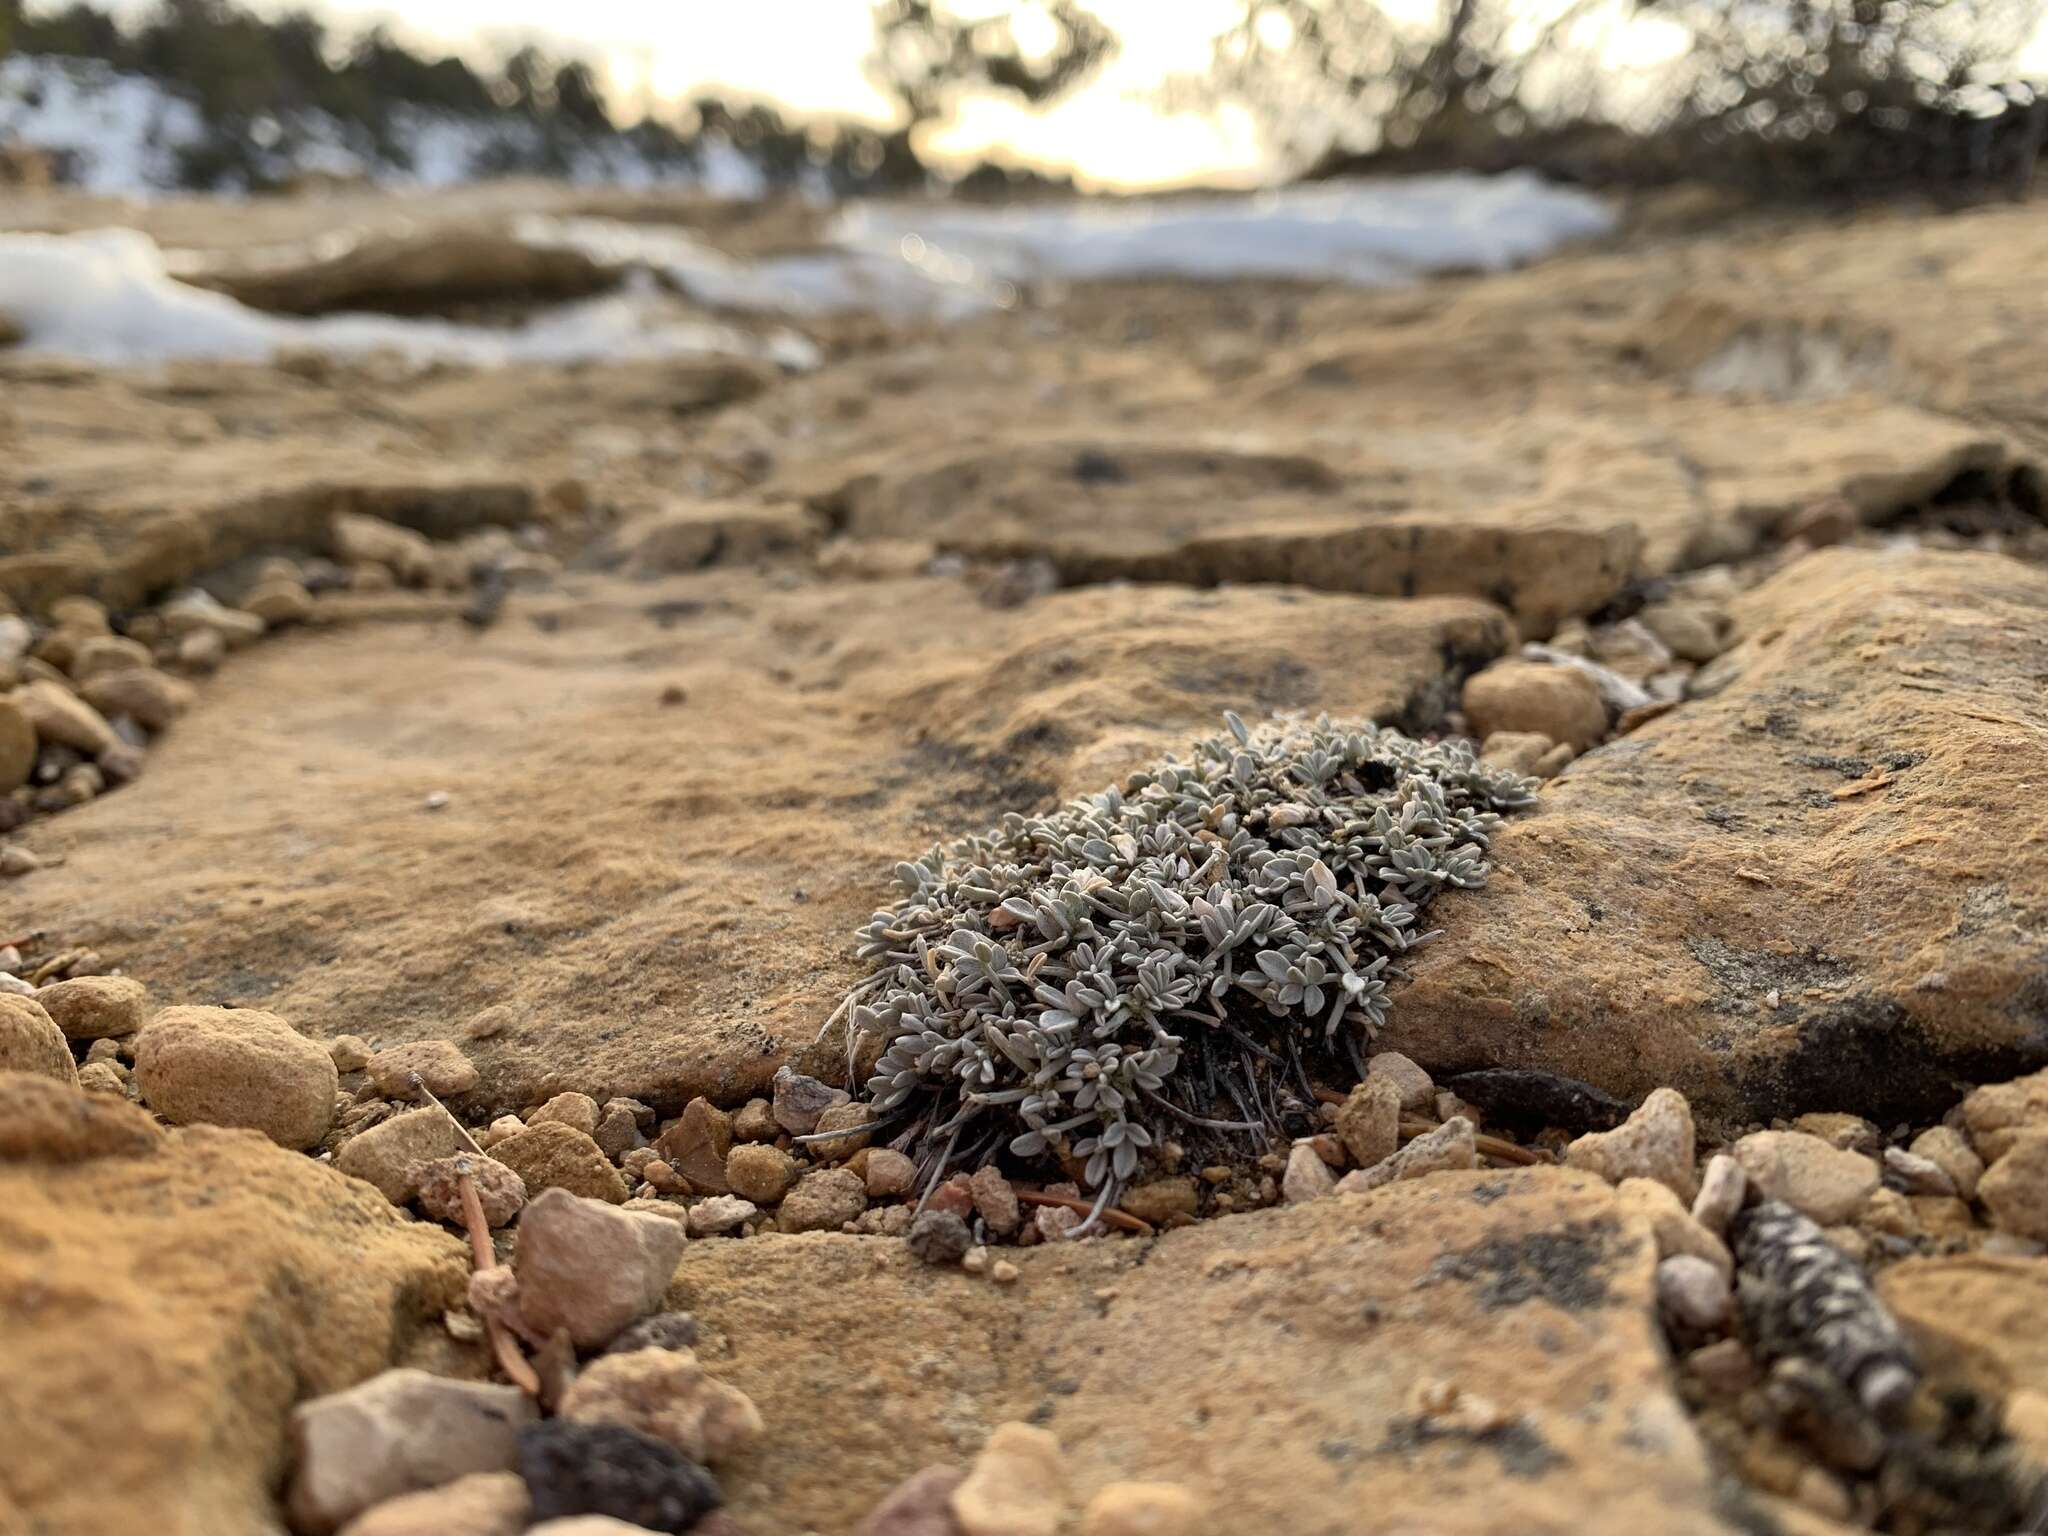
x: 419, y: 1086
x: 1492, y: 1146
x: 1114, y: 1216
x: 503, y: 1345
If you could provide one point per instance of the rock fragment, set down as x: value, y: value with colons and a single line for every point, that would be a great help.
x: 1560, y: 702
x: 392, y: 1154
x: 396, y: 1433
x: 889, y: 1174
x: 1416, y: 1090
x: 590, y: 1269
x: 2015, y: 1188
x: 96, y: 1007
x: 1369, y: 1120
x: 572, y: 1109
x: 1145, y: 1509
x: 556, y: 1156
x: 759, y: 1172
x: 44, y: 1119
x: 30, y: 1041
x: 1998, y: 1112
x: 1307, y: 1177
x: 573, y: 1469
x: 1656, y: 1142
x: 1016, y: 1487
x: 500, y: 1191
x: 236, y: 1067
x: 1949, y: 1150
x: 938, y: 1238
x: 480, y: 1504
x: 1693, y: 1293
x: 1450, y: 1146
x: 920, y: 1505
x: 1818, y: 1180
x: 696, y: 1146
x: 665, y: 1393
x: 799, y: 1100
x: 440, y: 1065
x: 823, y: 1201
x: 721, y: 1214
x: 1723, y: 1188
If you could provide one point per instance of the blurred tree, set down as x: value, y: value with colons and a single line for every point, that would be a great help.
x: 926, y: 49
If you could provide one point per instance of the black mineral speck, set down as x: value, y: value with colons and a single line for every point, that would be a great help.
x: 1566, y: 1267
x: 664, y: 1330
x: 608, y: 1469
x: 939, y: 1237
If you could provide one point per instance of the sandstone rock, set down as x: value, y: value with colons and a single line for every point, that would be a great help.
x: 1144, y: 1509
x: 278, y: 603
x: 351, y: 1053
x: 920, y: 1505
x: 1413, y: 1084
x: 96, y: 1007
x: 1970, y: 1317
x: 45, y: 1119
x: 721, y: 1214
x: 501, y: 1193
x: 590, y: 1269
x: 1723, y: 1187
x: 1999, y: 1113
x: 228, y: 1278
x: 696, y: 1146
x: 1916, y: 1175
x: 396, y: 1433
x: 1949, y: 1150
x: 1369, y: 1120
x: 618, y: 1131
x: 62, y: 717
x: 2015, y: 1188
x: 103, y: 1077
x: 195, y: 613
x: 1156, y: 666
x: 480, y: 1504
x: 995, y: 1198
x: 1562, y: 703
x: 1675, y: 1230
x: 572, y: 1109
x: 30, y: 1041
x: 667, y: 1394
x: 1778, y: 800
x: 1693, y: 631
x: 1449, y: 1147
x: 439, y: 1064
x: 689, y: 537
x: 151, y: 698
x: 1016, y: 1487
x: 760, y: 1173
x: 1307, y: 1177
x: 841, y: 1117
x: 17, y: 745
x: 1806, y: 1173
x: 755, y: 1121
x: 1845, y: 1133
x: 799, y: 1100
x: 888, y: 1174
x: 361, y: 539
x: 236, y: 1067
x: 393, y: 1153
x: 1517, y: 751
x: 1656, y: 1142
x: 823, y: 1201
x: 556, y: 1156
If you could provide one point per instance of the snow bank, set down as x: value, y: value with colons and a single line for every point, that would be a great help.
x: 940, y: 261
x: 1369, y: 232
x: 108, y: 297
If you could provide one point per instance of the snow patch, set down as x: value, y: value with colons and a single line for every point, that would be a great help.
x: 108, y: 297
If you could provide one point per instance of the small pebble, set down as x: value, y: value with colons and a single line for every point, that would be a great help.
x: 1693, y: 1292
x: 1003, y: 1272
x: 939, y: 1237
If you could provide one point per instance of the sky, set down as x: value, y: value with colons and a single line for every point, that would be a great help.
x: 806, y: 55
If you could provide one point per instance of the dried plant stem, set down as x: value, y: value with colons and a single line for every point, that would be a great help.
x: 503, y: 1345
x: 1112, y: 1216
x: 1491, y: 1146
